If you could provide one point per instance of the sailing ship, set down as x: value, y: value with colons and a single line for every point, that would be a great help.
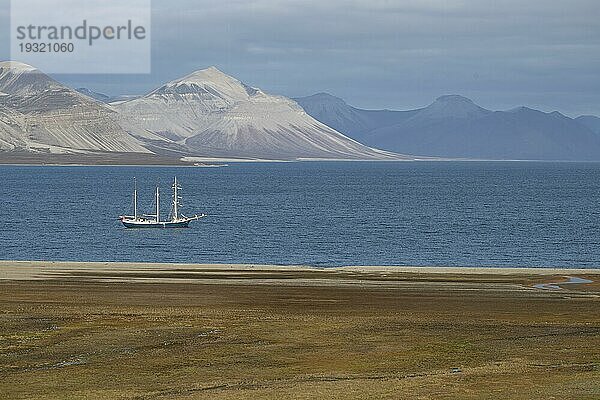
x: 175, y: 220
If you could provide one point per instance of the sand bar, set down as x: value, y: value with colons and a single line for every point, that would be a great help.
x: 18, y: 270
x: 415, y: 278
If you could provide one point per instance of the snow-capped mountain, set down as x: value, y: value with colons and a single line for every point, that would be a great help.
x: 209, y: 113
x: 18, y: 79
x: 39, y: 114
x: 454, y: 126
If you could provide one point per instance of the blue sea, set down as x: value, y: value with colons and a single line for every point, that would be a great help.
x: 496, y: 214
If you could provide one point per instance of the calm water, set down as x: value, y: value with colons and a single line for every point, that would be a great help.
x: 455, y: 214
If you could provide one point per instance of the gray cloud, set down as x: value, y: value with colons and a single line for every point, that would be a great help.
x: 378, y: 53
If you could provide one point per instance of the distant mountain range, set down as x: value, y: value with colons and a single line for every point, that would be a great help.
x: 455, y: 127
x: 95, y: 95
x: 209, y: 114
x: 204, y: 114
x: 101, y: 97
x: 592, y: 122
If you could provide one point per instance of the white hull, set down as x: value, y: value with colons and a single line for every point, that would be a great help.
x: 131, y: 223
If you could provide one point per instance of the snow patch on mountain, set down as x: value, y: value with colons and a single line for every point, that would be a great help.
x: 16, y: 67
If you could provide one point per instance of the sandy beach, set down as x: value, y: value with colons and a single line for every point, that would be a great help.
x: 119, y: 330
x: 163, y: 272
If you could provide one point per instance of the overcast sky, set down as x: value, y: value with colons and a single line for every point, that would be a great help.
x: 378, y: 53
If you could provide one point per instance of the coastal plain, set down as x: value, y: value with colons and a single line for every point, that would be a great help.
x: 175, y: 331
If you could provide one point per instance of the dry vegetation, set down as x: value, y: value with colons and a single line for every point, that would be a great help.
x: 86, y: 338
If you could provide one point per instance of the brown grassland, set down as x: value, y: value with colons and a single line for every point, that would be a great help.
x: 270, y: 334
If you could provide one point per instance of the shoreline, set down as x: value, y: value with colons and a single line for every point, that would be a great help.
x: 184, y: 163
x: 300, y: 267
x: 274, y: 274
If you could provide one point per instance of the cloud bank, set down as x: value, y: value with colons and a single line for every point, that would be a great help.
x: 382, y: 54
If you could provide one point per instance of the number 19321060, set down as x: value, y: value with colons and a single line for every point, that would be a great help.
x: 46, y: 47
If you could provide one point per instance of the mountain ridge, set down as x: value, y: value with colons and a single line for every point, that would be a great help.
x: 206, y: 113
x: 209, y: 113
x: 453, y: 126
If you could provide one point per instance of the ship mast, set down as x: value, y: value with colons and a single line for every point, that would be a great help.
x: 135, y: 212
x: 175, y: 200
x: 157, y: 205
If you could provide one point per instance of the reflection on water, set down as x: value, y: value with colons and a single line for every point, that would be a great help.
x: 557, y: 285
